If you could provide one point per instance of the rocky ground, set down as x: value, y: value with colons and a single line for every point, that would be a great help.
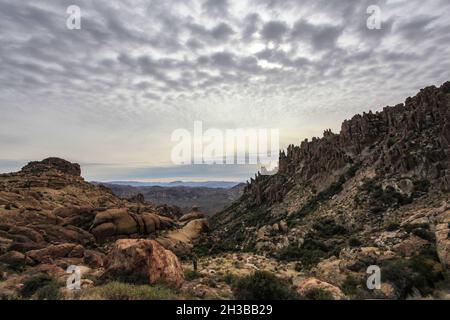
x: 51, y: 219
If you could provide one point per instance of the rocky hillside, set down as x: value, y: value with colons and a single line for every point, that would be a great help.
x: 375, y: 193
x: 211, y: 200
x: 50, y: 219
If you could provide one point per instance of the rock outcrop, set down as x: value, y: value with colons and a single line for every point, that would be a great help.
x: 50, y: 219
x: 146, y: 261
x: 382, y: 182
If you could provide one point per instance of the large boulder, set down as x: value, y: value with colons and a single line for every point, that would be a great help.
x: 144, y: 261
x: 117, y: 222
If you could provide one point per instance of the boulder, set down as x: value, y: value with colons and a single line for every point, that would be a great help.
x: 13, y: 259
x: 117, y: 222
x: 410, y: 246
x: 139, y: 260
x: 308, y: 286
x: 94, y: 259
x: 65, y: 250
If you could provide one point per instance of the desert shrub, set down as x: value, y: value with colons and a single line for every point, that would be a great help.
x: 412, y: 226
x: 309, y: 253
x: 390, y: 142
x: 354, y: 242
x: 381, y: 199
x: 313, y: 249
x: 298, y: 267
x: 318, y: 294
x: 33, y: 284
x: 422, y: 272
x: 350, y: 286
x: 129, y: 277
x: 9, y: 296
x: 393, y: 226
x: 49, y: 292
x: 191, y: 275
x: 229, y: 278
x: 424, y: 234
x: 124, y: 291
x: 328, y: 227
x: 263, y: 285
x: 420, y: 187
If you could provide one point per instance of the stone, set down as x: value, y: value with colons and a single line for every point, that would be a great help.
x: 13, y: 259
x: 48, y: 254
x: 143, y: 260
x: 94, y: 259
x: 307, y: 286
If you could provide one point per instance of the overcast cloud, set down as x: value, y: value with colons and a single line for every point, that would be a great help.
x: 110, y: 95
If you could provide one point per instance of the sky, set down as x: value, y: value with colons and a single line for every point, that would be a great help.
x: 110, y: 94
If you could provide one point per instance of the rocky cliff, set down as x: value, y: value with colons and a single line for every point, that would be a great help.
x: 375, y: 193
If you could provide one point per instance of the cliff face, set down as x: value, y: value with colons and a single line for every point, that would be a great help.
x: 381, y: 183
x: 410, y: 138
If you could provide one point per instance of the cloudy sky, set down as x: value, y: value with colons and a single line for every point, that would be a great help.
x: 110, y: 94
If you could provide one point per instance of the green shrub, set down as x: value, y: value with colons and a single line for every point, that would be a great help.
x: 412, y: 226
x: 309, y: 253
x: 298, y: 267
x: 229, y: 278
x: 381, y: 199
x: 124, y: 291
x: 422, y: 272
x: 191, y: 275
x: 328, y: 227
x: 33, y: 284
x: 318, y: 294
x: 263, y: 285
x: 420, y: 187
x: 313, y: 249
x: 354, y: 242
x: 350, y: 286
x: 49, y: 292
x: 424, y: 234
x: 393, y: 226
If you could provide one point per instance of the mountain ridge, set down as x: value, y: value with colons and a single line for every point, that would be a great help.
x: 376, y: 192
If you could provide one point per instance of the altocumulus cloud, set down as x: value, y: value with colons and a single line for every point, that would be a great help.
x: 114, y: 91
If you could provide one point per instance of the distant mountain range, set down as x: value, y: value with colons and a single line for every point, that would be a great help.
x: 189, y: 184
x: 184, y: 195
